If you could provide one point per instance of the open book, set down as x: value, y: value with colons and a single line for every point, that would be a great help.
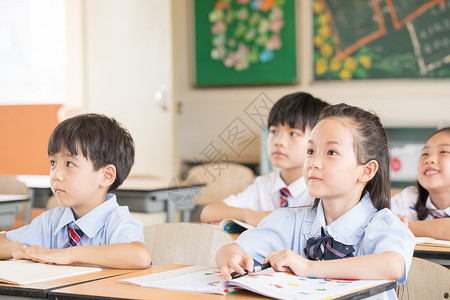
x: 233, y: 226
x: 26, y: 272
x: 428, y: 241
x: 203, y: 279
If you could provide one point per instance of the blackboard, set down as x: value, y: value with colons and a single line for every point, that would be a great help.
x: 277, y: 67
x: 363, y: 39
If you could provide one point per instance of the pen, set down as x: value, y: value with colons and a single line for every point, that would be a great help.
x: 258, y: 268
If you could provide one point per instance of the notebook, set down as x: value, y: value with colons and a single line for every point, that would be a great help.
x: 26, y: 272
x: 204, y: 279
x: 428, y: 241
x: 233, y: 226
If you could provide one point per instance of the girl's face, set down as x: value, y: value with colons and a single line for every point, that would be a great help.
x: 331, y: 169
x: 433, y: 171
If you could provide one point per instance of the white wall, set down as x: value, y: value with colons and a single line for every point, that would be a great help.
x: 208, y: 111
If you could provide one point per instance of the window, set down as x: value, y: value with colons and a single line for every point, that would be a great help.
x: 32, y: 51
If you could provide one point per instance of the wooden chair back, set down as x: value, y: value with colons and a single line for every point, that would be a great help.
x: 10, y: 185
x: 426, y: 280
x: 222, y: 180
x: 184, y: 243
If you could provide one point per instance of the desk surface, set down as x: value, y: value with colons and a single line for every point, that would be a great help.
x: 138, y: 183
x: 111, y: 288
x: 435, y: 252
x: 12, y: 198
x: 42, y: 289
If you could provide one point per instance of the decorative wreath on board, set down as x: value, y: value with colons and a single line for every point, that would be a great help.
x: 246, y: 32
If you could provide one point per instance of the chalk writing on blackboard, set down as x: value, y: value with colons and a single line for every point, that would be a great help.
x: 363, y: 39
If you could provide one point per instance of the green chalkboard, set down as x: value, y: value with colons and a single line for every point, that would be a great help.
x: 364, y: 39
x: 243, y: 42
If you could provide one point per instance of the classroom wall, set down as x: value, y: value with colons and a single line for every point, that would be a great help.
x: 24, y: 133
x: 208, y: 111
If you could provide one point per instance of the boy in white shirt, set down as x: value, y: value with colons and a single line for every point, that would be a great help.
x: 290, y: 122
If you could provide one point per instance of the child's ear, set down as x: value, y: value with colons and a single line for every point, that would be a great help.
x: 369, y: 171
x: 108, y: 175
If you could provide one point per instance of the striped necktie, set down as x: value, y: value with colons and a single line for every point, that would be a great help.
x: 75, y: 234
x: 284, y: 196
x: 325, y: 248
x: 436, y: 214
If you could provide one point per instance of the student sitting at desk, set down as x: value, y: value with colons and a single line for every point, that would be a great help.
x: 290, y: 122
x: 90, y: 155
x: 349, y: 232
x: 426, y: 207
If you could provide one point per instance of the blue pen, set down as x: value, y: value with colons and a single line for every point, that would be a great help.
x: 258, y: 268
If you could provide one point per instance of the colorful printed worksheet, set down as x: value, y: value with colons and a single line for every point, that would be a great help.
x: 269, y: 283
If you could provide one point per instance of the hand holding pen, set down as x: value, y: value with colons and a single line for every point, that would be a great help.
x: 257, y: 268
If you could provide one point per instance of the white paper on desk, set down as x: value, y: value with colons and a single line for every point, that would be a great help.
x: 428, y: 241
x: 26, y: 272
x: 268, y: 282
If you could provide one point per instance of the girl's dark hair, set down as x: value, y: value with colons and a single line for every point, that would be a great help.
x: 420, y: 206
x: 101, y: 139
x: 370, y: 143
x: 297, y: 110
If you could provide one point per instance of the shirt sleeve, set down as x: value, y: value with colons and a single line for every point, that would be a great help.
x: 35, y: 233
x: 274, y: 232
x: 123, y: 228
x: 387, y: 233
x: 248, y: 198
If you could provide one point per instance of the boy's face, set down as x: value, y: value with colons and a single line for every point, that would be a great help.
x: 75, y: 183
x: 286, y: 148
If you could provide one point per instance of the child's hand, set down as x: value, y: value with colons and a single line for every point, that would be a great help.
x: 18, y: 252
x: 237, y: 263
x: 254, y: 217
x: 404, y: 219
x: 47, y: 256
x: 288, y: 261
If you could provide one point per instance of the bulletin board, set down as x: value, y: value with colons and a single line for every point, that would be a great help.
x: 368, y: 39
x: 243, y: 42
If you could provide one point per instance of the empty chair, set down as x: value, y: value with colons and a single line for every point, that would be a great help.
x: 10, y: 185
x: 222, y: 179
x: 184, y: 243
x: 426, y: 280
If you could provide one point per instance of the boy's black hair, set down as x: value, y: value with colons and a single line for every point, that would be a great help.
x: 101, y: 139
x: 298, y: 110
x: 420, y: 206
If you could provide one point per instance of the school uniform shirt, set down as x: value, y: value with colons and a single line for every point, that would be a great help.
x: 264, y: 194
x: 106, y: 224
x: 403, y: 204
x: 369, y: 231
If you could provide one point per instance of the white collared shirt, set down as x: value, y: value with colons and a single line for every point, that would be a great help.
x: 403, y: 204
x: 108, y: 223
x: 264, y: 194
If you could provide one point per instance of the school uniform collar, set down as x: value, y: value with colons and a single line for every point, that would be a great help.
x: 296, y: 188
x: 348, y: 228
x: 91, y: 222
x: 431, y: 206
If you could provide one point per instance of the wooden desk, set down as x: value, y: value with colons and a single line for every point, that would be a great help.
x: 440, y: 255
x: 42, y: 289
x: 111, y: 288
x: 140, y: 194
x: 9, y: 204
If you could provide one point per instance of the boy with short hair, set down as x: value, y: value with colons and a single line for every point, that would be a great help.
x: 291, y: 120
x: 90, y: 156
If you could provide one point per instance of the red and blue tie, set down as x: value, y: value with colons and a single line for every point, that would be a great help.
x: 284, y: 196
x: 436, y: 214
x: 75, y: 234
